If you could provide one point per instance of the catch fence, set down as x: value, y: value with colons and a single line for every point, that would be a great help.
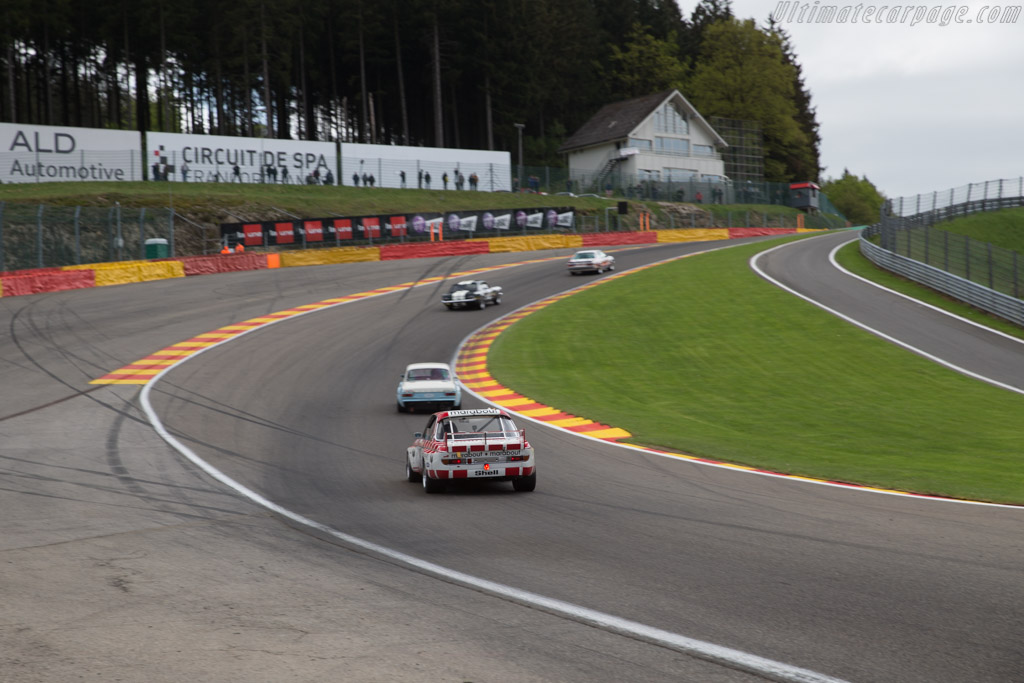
x: 909, y: 240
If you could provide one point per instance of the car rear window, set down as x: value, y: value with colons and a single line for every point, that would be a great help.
x: 427, y: 374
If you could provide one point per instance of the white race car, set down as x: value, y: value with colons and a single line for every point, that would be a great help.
x: 459, y: 445
x: 471, y: 294
x: 430, y: 385
x: 590, y: 261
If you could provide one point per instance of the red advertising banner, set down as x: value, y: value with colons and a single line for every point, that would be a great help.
x: 398, y: 228
x: 285, y: 233
x: 252, y: 234
x: 314, y: 231
x: 343, y: 228
x: 371, y: 227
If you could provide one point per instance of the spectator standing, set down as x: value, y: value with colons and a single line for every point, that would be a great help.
x: 474, y: 180
x: 401, y: 176
x: 236, y: 174
x: 355, y: 179
x: 419, y: 179
x: 316, y: 176
x: 426, y: 179
x: 444, y: 180
x: 700, y: 197
x: 329, y: 178
x: 184, y: 172
x: 284, y: 175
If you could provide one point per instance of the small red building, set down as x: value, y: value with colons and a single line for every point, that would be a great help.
x: 804, y: 196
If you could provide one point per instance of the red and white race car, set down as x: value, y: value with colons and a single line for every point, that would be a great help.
x: 471, y: 444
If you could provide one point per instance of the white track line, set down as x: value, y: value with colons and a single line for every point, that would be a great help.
x: 952, y: 366
x: 728, y: 657
x: 727, y: 466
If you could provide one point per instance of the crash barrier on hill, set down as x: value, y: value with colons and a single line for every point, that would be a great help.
x: 986, y: 276
x: 41, y: 280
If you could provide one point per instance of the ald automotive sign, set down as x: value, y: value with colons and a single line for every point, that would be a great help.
x: 30, y: 154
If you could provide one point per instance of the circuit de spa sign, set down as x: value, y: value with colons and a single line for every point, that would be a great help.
x: 225, y: 159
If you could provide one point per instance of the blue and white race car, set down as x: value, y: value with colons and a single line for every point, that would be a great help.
x: 428, y: 385
x: 471, y: 294
x: 459, y: 445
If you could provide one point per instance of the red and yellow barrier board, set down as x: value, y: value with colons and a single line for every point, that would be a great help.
x: 40, y: 280
x: 393, y: 252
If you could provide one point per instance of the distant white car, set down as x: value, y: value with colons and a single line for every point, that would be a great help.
x: 458, y: 445
x: 471, y: 294
x: 428, y: 385
x: 590, y: 261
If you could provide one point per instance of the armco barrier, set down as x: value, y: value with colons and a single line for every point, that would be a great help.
x: 323, y: 257
x: 392, y: 252
x: 599, y: 239
x: 52, y: 281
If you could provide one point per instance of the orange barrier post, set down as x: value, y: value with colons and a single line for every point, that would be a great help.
x: 273, y: 260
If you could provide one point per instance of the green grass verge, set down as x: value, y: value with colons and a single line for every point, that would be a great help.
x: 702, y: 356
x: 1004, y: 228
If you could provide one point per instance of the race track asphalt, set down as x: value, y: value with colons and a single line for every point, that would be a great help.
x: 123, y: 560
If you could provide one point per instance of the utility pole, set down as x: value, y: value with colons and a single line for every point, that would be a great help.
x: 519, y: 127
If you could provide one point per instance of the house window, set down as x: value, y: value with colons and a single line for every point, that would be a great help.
x: 678, y: 175
x: 703, y: 150
x: 640, y: 144
x: 669, y: 120
x: 673, y: 146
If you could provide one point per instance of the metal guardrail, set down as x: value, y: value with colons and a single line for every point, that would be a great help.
x: 984, y: 275
x: 962, y: 289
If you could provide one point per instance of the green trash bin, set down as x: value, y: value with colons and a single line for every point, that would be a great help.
x: 157, y: 248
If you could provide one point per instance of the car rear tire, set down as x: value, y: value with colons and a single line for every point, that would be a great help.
x: 482, y: 304
x: 410, y: 474
x: 432, y: 485
x: 525, y: 484
x: 497, y: 300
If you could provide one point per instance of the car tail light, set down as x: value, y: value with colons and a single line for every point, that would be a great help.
x: 449, y: 393
x: 407, y: 395
x: 451, y: 461
x: 518, y: 458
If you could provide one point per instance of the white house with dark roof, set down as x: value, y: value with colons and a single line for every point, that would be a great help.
x: 659, y: 138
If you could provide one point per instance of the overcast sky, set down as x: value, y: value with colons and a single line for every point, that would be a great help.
x: 915, y: 108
